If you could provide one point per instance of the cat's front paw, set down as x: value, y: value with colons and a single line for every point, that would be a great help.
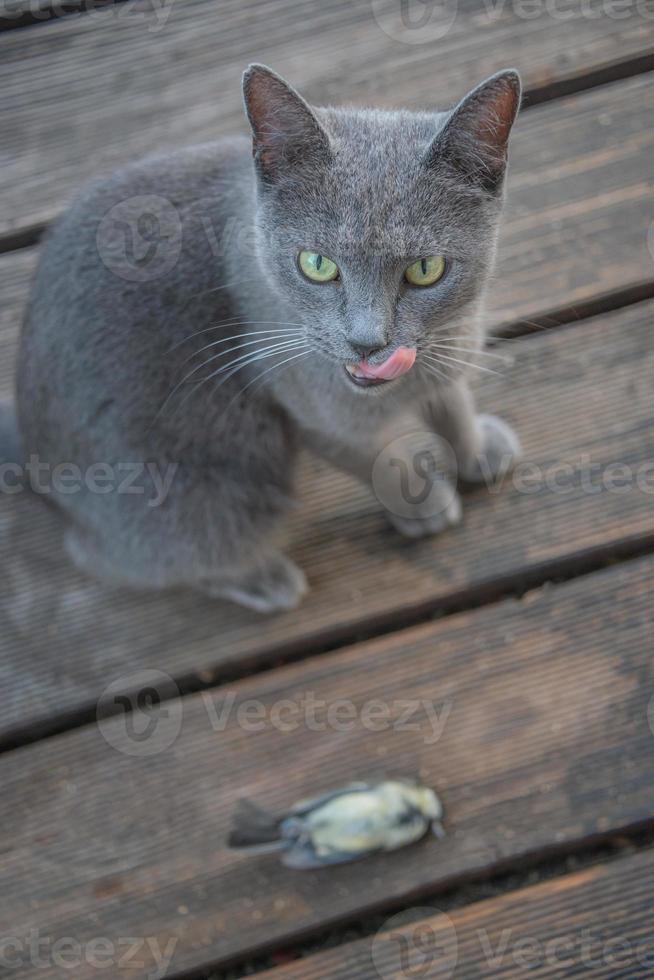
x: 273, y: 587
x: 499, y: 453
x: 421, y: 527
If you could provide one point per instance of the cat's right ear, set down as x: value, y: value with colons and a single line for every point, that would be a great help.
x: 285, y: 130
x: 474, y: 139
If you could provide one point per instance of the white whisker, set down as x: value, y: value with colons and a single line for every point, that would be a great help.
x: 468, y: 350
x: 229, y: 370
x: 216, y: 289
x: 199, y: 367
x: 236, y: 323
x: 434, y: 370
x: 457, y: 360
x: 264, y: 373
x: 249, y: 355
x: 268, y: 335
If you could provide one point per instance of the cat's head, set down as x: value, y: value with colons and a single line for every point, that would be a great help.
x: 379, y: 227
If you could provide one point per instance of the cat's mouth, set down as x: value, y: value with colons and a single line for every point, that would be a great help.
x: 361, y: 380
x: 366, y: 375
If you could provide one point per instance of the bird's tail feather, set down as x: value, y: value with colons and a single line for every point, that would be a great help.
x: 255, y: 828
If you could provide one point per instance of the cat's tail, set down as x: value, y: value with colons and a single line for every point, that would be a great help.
x: 11, y: 450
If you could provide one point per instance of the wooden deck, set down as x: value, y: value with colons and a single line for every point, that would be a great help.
x: 523, y: 639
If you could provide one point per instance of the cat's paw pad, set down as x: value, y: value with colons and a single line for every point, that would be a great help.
x: 421, y: 527
x: 499, y: 453
x: 274, y: 587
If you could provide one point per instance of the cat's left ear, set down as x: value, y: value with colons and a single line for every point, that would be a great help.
x: 474, y: 140
x: 285, y: 130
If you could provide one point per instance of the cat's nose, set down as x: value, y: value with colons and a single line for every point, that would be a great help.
x: 367, y: 330
x: 364, y: 351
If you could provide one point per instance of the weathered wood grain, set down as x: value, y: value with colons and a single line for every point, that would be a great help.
x: 581, y: 399
x: 91, y: 91
x: 529, y: 717
x: 576, y: 223
x: 596, y: 922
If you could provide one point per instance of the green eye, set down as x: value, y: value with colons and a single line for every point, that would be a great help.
x: 425, y: 272
x: 317, y: 267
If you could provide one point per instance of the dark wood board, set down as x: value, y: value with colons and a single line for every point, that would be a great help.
x: 595, y: 922
x: 543, y: 743
x: 94, y: 90
x: 579, y: 396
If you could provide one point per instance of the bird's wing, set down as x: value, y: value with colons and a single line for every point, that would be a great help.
x: 302, y: 856
x: 305, y: 806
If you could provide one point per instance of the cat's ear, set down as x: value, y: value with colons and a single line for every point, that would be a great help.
x: 285, y: 130
x: 475, y: 138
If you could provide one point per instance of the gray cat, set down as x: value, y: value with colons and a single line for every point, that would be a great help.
x: 195, y: 318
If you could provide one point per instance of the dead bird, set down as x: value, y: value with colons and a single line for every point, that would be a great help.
x: 343, y: 825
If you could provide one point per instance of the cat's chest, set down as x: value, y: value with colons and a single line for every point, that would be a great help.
x: 354, y: 420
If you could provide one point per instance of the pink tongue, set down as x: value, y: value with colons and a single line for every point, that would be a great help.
x: 398, y: 363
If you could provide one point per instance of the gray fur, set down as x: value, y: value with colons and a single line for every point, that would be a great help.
x: 103, y: 358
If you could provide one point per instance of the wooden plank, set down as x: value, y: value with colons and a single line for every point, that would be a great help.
x: 576, y: 224
x: 529, y: 717
x: 92, y: 91
x: 581, y: 400
x: 596, y: 922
